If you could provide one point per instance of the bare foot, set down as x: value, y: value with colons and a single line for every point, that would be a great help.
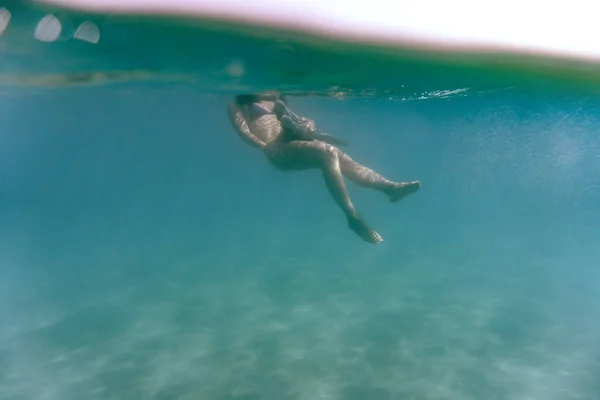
x: 403, y: 189
x: 360, y: 227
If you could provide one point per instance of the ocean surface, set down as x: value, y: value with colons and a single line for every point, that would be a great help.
x: 146, y: 252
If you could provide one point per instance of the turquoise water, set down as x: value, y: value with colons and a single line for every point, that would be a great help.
x: 147, y: 253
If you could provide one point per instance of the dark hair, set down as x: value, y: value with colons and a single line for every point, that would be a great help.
x: 244, y: 99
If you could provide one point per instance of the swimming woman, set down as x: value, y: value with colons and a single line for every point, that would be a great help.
x: 293, y: 143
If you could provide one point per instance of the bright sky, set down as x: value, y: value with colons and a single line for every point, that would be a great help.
x: 569, y: 28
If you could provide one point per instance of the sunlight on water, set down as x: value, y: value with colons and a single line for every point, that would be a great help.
x: 4, y: 19
x: 512, y: 25
x: 48, y: 29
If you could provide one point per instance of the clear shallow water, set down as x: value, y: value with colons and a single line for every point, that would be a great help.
x: 146, y: 252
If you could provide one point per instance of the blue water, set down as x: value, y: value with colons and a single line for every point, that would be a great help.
x: 146, y: 252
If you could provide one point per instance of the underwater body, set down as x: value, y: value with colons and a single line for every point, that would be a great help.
x: 146, y: 252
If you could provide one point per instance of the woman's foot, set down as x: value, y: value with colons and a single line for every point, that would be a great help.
x: 402, y: 189
x: 360, y: 227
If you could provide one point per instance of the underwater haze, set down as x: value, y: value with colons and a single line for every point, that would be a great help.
x: 146, y: 252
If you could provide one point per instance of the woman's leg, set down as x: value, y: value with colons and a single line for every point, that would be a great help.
x: 301, y: 155
x: 368, y: 178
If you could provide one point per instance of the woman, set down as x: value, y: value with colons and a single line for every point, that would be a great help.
x: 293, y: 143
